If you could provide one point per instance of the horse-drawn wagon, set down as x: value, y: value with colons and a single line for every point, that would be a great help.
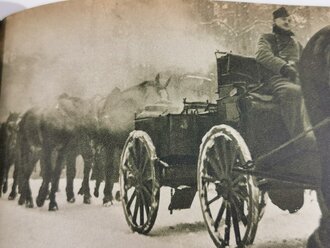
x: 231, y: 152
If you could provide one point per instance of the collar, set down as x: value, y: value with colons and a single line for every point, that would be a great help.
x: 280, y: 31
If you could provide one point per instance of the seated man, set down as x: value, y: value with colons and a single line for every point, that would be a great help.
x: 278, y: 53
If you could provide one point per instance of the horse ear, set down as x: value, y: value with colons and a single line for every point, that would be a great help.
x: 167, y: 82
x: 157, y: 79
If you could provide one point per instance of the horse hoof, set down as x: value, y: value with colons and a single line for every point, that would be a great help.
x: 52, y: 206
x: 40, y: 201
x: 117, y: 196
x: 96, y: 193
x: 70, y: 197
x: 29, y: 204
x: 81, y: 191
x: 71, y: 200
x: 12, y: 196
x: 107, y: 204
x: 87, y: 200
x: 5, y: 188
x: 107, y: 201
x: 21, y: 200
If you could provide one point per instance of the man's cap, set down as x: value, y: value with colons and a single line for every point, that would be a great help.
x: 281, y: 12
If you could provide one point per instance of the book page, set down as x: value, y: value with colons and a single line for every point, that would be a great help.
x: 111, y: 112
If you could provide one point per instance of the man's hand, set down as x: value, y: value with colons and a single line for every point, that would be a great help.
x: 289, y: 72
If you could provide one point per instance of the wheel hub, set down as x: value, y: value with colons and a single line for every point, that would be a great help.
x: 224, y: 188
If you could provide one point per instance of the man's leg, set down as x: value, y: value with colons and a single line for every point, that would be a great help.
x: 289, y: 96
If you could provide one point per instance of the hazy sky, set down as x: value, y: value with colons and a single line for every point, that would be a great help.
x: 99, y: 45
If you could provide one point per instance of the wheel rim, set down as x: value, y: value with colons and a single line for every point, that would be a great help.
x: 139, y: 186
x: 229, y: 200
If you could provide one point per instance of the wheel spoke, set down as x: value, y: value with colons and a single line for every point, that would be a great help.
x: 136, y: 146
x: 228, y: 225
x: 236, y: 226
x: 213, y: 200
x: 145, y: 161
x: 240, y: 197
x: 219, y: 216
x: 234, y: 152
x: 147, y: 191
x: 239, y: 206
x: 219, y: 156
x: 130, y: 201
x: 209, y: 179
x: 237, y: 179
x: 136, y: 208
x: 145, y: 203
x: 214, y: 165
x: 225, y: 155
x: 141, y: 212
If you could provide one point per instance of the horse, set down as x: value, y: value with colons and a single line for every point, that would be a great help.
x: 81, y: 144
x: 29, y: 143
x: 314, y: 69
x: 60, y: 132
x: 71, y: 136
x: 9, y: 153
x: 116, y: 118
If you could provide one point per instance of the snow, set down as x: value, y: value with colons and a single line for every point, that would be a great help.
x: 80, y: 225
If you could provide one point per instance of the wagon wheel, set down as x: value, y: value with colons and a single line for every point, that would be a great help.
x: 229, y: 201
x: 139, y: 186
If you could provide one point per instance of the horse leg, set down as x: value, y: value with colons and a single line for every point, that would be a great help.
x: 24, y: 169
x: 98, y: 170
x: 27, y: 190
x: 97, y: 188
x: 85, y: 183
x: 13, y: 192
x: 70, y: 175
x: 5, y: 179
x: 55, y: 181
x: 110, y: 176
x: 28, y: 198
x: 46, y: 171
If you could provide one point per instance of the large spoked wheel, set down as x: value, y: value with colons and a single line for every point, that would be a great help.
x: 229, y: 201
x: 139, y: 185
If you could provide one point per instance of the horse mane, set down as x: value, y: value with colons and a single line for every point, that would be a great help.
x: 314, y: 68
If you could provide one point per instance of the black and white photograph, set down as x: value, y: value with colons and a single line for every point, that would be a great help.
x: 164, y: 123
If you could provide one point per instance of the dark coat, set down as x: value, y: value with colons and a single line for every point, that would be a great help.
x: 274, y: 51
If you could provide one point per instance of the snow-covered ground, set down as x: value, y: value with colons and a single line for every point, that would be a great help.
x: 95, y: 226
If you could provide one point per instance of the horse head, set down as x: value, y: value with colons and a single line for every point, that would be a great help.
x: 11, y: 129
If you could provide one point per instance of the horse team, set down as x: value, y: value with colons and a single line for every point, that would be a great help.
x: 96, y: 129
